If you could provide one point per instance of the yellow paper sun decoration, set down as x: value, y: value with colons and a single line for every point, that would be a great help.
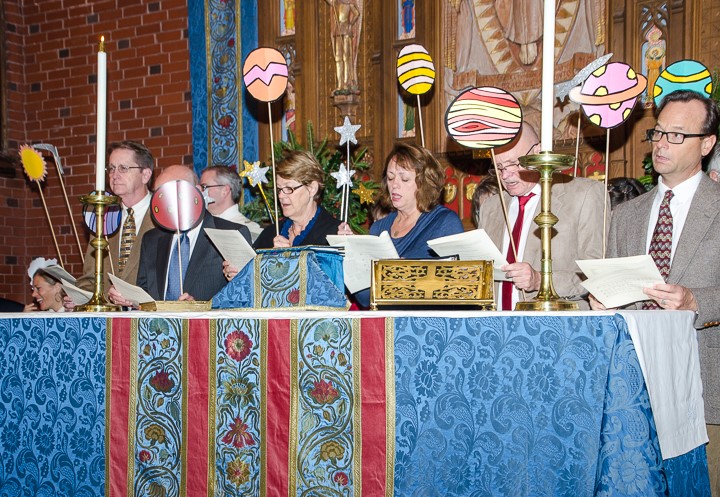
x: 33, y: 163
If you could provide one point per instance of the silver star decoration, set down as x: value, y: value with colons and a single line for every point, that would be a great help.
x: 254, y: 173
x: 344, y: 176
x: 347, y: 131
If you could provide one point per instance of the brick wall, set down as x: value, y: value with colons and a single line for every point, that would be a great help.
x: 51, y: 48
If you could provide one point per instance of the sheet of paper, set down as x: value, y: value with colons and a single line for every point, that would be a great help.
x: 60, y: 274
x: 78, y: 295
x: 133, y: 293
x: 232, y: 246
x: 617, y: 282
x: 474, y: 245
x: 360, y: 251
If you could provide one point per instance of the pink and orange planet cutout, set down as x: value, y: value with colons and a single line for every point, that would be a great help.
x: 265, y: 74
x: 609, y: 94
x: 483, y: 117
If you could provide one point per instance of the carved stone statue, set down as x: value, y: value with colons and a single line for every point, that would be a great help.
x: 345, y: 24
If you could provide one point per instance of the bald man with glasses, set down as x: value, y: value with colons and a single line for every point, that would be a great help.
x: 678, y: 224
x: 578, y: 204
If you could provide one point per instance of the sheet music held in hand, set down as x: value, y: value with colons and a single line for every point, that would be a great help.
x: 78, y: 295
x: 474, y: 245
x: 620, y: 281
x: 133, y: 293
x: 232, y: 246
x: 360, y: 251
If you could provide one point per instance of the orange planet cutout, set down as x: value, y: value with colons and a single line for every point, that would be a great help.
x: 265, y: 74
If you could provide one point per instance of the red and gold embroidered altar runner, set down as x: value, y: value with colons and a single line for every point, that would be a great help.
x: 208, y: 407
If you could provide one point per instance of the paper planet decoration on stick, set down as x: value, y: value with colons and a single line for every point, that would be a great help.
x: 484, y: 117
x: 112, y: 217
x: 33, y: 163
x: 415, y: 69
x: 177, y: 206
x: 683, y: 75
x: 265, y: 74
x: 609, y: 94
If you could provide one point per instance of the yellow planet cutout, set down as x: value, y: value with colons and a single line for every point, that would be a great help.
x: 415, y: 69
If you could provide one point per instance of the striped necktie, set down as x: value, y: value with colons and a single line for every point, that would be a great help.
x: 127, y: 240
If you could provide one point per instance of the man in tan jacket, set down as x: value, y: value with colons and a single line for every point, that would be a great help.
x: 578, y: 204
x: 130, y: 169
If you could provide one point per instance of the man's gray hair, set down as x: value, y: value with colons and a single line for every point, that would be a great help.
x: 230, y: 177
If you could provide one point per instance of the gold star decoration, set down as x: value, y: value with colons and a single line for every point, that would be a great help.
x: 33, y: 163
x: 365, y: 194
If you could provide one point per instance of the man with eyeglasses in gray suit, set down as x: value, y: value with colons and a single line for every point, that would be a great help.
x: 682, y: 211
x: 130, y: 169
x: 578, y: 204
x: 221, y: 187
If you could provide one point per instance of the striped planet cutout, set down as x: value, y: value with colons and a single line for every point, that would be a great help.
x: 265, y: 74
x: 684, y: 74
x: 484, y: 117
x: 415, y: 69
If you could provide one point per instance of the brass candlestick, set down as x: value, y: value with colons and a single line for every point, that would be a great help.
x: 97, y: 302
x: 546, y: 163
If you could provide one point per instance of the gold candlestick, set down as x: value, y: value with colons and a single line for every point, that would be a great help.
x: 546, y: 163
x: 98, y: 302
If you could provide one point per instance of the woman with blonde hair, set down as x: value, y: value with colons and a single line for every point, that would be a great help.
x: 300, y: 184
x: 299, y: 188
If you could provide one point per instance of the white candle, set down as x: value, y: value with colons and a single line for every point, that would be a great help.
x: 101, y: 118
x: 548, y: 77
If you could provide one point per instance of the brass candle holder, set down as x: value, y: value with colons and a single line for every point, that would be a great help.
x: 546, y: 163
x: 98, y: 302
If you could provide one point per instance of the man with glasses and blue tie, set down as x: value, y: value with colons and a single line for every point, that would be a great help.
x: 578, y: 204
x: 130, y: 169
x: 678, y: 224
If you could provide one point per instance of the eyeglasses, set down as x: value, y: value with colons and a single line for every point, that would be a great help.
x: 122, y: 169
x: 288, y: 190
x: 513, y: 166
x: 674, y: 137
x: 204, y: 187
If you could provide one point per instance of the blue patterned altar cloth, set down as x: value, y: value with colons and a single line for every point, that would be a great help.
x: 484, y: 404
x: 295, y: 278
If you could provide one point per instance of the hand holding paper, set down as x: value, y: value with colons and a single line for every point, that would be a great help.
x: 360, y: 251
x: 232, y: 246
x: 132, y: 293
x: 618, y: 282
